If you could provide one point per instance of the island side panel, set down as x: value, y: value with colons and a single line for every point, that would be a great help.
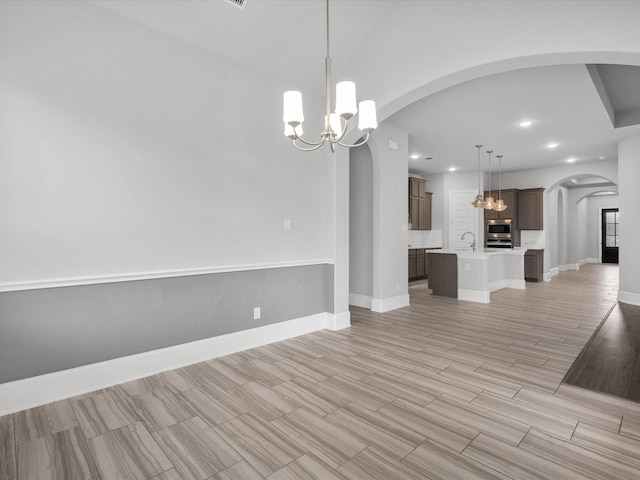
x: 443, y: 274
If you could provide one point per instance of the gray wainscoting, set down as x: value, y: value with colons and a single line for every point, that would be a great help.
x: 53, y: 329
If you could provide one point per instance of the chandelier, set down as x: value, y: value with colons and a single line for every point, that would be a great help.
x: 335, y: 124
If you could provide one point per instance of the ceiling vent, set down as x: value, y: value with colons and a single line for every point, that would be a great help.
x: 237, y: 3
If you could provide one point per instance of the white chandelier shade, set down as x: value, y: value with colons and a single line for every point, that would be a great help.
x: 335, y: 124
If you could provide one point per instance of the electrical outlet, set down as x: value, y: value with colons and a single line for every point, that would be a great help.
x: 467, y: 267
x: 287, y: 224
x: 398, y: 286
x: 256, y: 313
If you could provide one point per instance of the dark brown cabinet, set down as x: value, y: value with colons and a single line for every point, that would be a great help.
x: 533, y: 265
x: 413, y: 266
x: 419, y: 205
x: 418, y: 268
x: 419, y: 263
x: 530, y: 215
x: 510, y: 198
x: 443, y: 274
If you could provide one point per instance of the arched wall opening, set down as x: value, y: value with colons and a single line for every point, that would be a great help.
x: 433, y: 86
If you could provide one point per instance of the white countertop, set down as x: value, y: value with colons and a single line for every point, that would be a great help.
x: 415, y: 247
x: 484, y: 252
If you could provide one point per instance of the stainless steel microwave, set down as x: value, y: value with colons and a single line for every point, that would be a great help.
x: 499, y: 228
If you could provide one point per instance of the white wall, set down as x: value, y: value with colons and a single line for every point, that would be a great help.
x: 629, y: 162
x: 579, y: 232
x: 390, y: 195
x: 124, y: 150
x: 361, y: 221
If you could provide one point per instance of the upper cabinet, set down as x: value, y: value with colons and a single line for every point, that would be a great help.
x: 530, y: 209
x: 510, y: 198
x: 419, y: 205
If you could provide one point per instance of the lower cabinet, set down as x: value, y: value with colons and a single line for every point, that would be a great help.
x: 419, y: 263
x: 533, y: 265
x: 413, y: 264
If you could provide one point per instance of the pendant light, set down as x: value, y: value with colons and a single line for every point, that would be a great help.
x: 489, y: 202
x: 500, y: 205
x: 478, y: 202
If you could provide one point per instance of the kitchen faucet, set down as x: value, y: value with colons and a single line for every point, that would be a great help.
x: 473, y: 239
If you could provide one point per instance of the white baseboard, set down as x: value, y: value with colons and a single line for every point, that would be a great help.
x: 359, y: 300
x: 338, y: 321
x: 382, y: 305
x: 478, y: 296
x: 629, y: 297
x: 563, y: 268
x: 32, y: 392
x: 554, y: 271
x: 507, y: 283
x: 590, y: 260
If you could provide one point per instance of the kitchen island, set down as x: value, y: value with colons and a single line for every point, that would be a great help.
x: 478, y: 273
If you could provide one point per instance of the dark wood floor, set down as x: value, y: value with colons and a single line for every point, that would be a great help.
x: 610, y: 363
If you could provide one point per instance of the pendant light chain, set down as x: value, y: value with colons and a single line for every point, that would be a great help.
x: 479, y: 202
x: 489, y: 202
x: 499, y: 175
x: 500, y: 205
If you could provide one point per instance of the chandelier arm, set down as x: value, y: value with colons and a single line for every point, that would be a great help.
x: 311, y: 144
x: 366, y: 138
x: 314, y: 146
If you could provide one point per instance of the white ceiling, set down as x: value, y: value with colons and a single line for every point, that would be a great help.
x: 560, y: 101
x: 286, y: 39
x: 278, y: 37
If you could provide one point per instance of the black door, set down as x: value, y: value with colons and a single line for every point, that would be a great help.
x: 610, y: 235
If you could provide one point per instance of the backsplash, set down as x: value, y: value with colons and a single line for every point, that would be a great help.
x: 425, y: 238
x: 533, y: 239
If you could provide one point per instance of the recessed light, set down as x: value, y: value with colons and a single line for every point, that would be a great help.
x: 415, y: 156
x: 571, y: 160
x: 601, y: 157
x: 452, y: 169
x: 525, y: 123
x: 552, y: 145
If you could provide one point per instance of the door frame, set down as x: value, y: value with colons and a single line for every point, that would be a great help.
x: 603, y: 232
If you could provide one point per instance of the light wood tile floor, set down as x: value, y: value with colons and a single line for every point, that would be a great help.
x: 442, y: 389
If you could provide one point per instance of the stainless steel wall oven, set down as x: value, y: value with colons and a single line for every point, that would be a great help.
x: 498, y: 233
